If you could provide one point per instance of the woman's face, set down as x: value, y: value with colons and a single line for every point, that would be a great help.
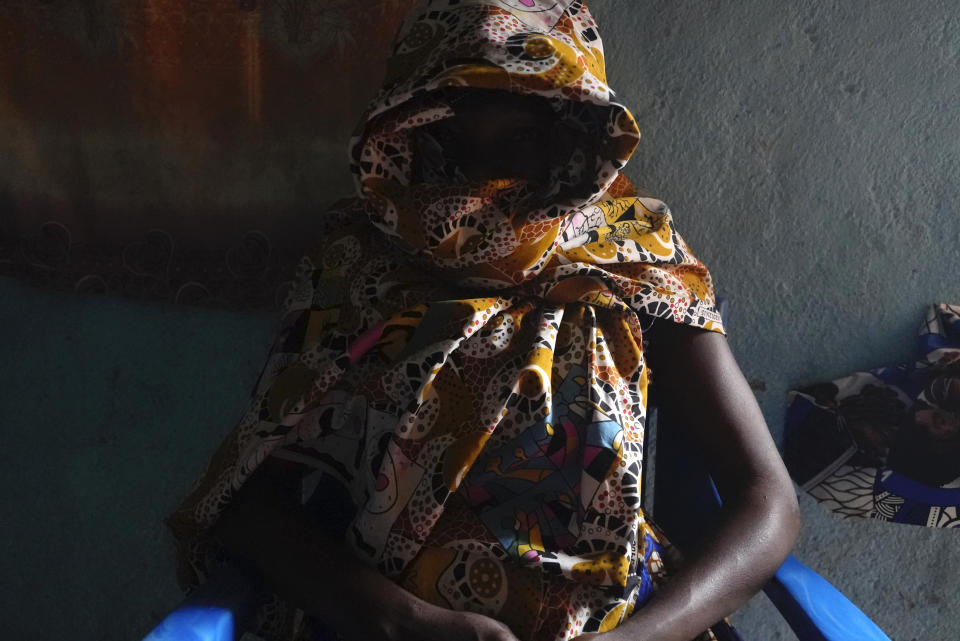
x: 495, y: 134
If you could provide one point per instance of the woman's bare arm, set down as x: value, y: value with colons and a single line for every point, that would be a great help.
x: 700, y: 383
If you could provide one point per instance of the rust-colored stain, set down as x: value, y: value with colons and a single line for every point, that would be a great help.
x: 90, y: 88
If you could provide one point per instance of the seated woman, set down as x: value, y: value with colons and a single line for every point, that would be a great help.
x: 446, y: 440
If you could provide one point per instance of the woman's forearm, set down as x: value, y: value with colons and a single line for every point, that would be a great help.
x: 313, y: 570
x: 717, y: 414
x: 742, y: 549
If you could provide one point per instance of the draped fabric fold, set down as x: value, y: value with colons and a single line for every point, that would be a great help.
x: 459, y: 375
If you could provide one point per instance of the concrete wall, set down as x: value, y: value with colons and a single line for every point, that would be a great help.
x: 810, y: 152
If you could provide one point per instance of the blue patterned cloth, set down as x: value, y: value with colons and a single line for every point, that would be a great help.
x: 885, y: 443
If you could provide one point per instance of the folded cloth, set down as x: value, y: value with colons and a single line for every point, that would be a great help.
x: 885, y: 443
x: 459, y: 375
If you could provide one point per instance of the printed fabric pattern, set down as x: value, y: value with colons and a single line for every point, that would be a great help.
x: 460, y: 366
x: 885, y: 443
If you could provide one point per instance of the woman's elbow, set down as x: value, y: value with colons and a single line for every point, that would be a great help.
x: 793, y: 517
x: 782, y: 516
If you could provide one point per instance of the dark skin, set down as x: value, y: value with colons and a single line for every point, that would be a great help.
x: 698, y: 381
x: 701, y: 384
x: 485, y: 123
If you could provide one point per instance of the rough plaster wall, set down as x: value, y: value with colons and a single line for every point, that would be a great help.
x: 110, y: 408
x: 810, y: 152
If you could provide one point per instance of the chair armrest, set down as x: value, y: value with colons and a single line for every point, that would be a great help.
x: 218, y: 610
x: 195, y: 623
x: 814, y: 609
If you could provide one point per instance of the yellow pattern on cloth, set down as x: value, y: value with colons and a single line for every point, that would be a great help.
x: 460, y: 363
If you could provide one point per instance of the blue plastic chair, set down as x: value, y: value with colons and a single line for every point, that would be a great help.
x: 219, y: 610
x: 193, y: 623
x: 684, y: 496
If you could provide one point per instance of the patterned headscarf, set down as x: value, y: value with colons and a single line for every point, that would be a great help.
x: 459, y: 375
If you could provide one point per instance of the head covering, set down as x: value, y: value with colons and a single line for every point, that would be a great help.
x: 460, y: 364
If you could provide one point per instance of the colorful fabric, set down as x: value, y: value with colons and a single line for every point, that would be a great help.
x: 459, y: 374
x: 885, y: 443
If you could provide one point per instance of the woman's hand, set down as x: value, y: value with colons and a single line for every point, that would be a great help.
x: 422, y: 621
x: 450, y: 625
x: 426, y: 622
x: 617, y: 634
